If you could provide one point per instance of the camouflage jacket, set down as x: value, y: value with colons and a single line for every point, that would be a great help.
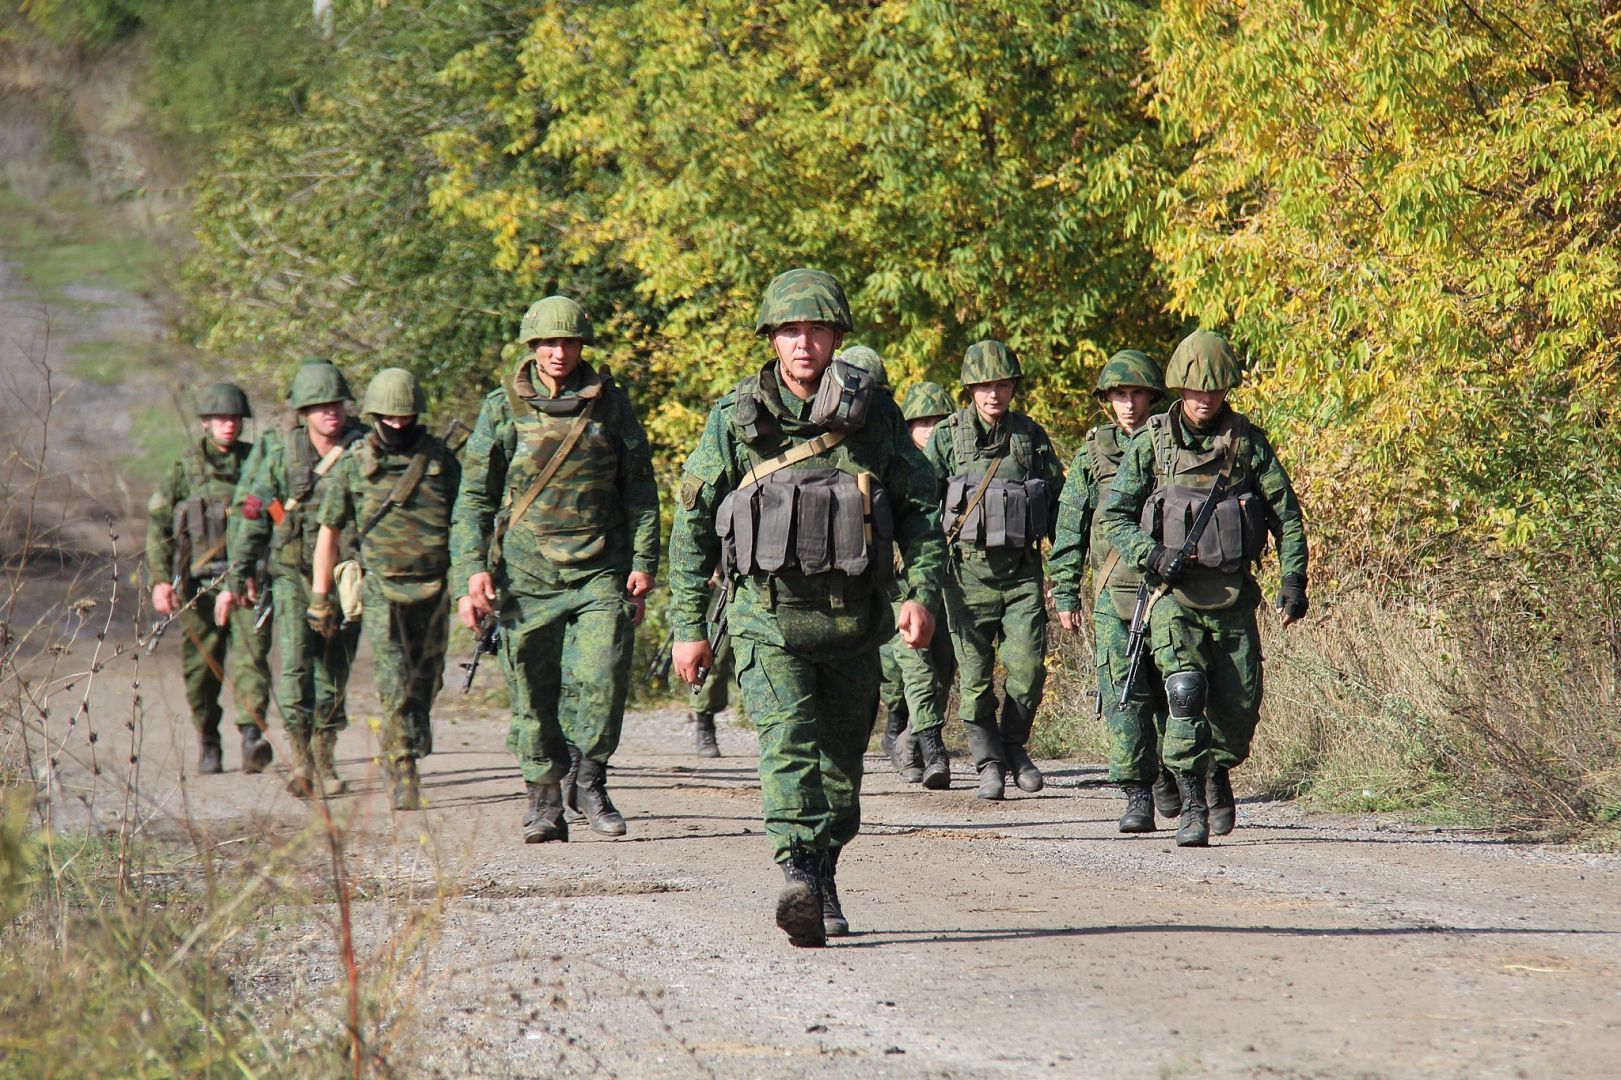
x: 203, y: 479
x: 1075, y: 544
x: 881, y: 447
x: 599, y: 511
x: 282, y: 467
x: 410, y: 543
x: 1257, y: 468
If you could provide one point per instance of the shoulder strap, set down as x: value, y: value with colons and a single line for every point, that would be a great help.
x: 555, y: 462
x: 979, y: 493
x: 324, y: 466
x: 1105, y: 572
x: 792, y: 456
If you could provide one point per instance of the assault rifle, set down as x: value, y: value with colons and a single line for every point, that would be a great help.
x: 164, y: 623
x: 717, y: 629
x: 1147, y: 598
x: 487, y: 641
x: 659, y: 669
x: 261, y: 610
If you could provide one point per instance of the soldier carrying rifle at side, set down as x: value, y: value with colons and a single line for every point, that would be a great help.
x: 186, y: 544
x: 711, y: 696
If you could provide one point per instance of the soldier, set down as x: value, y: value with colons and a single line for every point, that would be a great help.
x: 802, y: 482
x: 276, y: 504
x: 559, y: 511
x: 186, y: 555
x: 1000, y: 481
x: 917, y: 682
x: 1202, y: 619
x: 1129, y: 386
x: 397, y: 487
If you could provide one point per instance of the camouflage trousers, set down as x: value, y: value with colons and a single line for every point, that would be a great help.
x: 314, y: 671
x: 566, y: 656
x: 715, y: 693
x: 814, y: 719
x: 1135, y: 728
x: 408, y: 665
x: 206, y: 666
x: 1226, y: 646
x: 985, y: 614
x: 917, y: 682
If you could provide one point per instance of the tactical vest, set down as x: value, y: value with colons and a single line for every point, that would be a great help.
x: 1237, y: 532
x: 293, y: 540
x: 200, y: 519
x: 1014, y: 511
x: 409, y: 547
x: 572, y: 517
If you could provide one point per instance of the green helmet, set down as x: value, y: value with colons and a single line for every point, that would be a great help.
x: 318, y: 383
x: 222, y: 399
x: 556, y: 317
x: 1130, y: 367
x: 989, y: 361
x: 868, y: 360
x: 394, y: 392
x: 1204, y: 361
x: 925, y: 401
x: 802, y: 295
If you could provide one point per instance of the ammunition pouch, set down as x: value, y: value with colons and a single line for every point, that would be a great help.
x: 843, y: 398
x: 199, y: 532
x: 807, y: 521
x: 1011, y: 514
x: 346, y: 579
x: 1235, y: 536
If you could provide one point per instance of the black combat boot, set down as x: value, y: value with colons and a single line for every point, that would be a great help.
x: 1017, y: 720
x: 902, y: 747
x: 407, y: 792
x: 894, y: 724
x: 543, y: 819
x: 301, y: 780
x: 591, y: 796
x: 256, y: 749
x: 799, y: 905
x: 1219, y: 797
x: 834, y: 924
x: 571, y: 792
x: 1139, y: 815
x: 706, y: 746
x: 1194, y: 830
x: 209, y: 757
x: 1167, y: 800
x: 986, y: 745
x: 324, y: 754
x: 936, y: 759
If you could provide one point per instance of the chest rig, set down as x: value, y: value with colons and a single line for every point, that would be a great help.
x: 294, y: 536
x: 200, y: 518
x: 993, y: 502
x: 1186, y: 467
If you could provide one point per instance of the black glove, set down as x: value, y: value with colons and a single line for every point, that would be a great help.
x: 1292, y: 596
x: 1166, y: 564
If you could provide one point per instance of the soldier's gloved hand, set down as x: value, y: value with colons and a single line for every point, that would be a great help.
x: 1166, y: 564
x: 321, y: 614
x: 1292, y: 603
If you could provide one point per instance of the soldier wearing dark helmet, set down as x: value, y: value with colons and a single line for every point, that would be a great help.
x: 1202, y: 623
x: 275, y: 522
x: 999, y: 483
x: 801, y: 487
x: 557, y: 535
x: 186, y: 555
x: 1129, y: 385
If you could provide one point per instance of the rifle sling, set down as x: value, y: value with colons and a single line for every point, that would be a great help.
x: 403, y: 487
x: 1105, y: 572
x: 973, y: 503
x: 792, y: 456
x: 322, y: 467
x: 555, y: 462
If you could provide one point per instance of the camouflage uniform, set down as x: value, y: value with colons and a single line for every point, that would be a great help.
x: 186, y: 540
x: 281, y: 471
x: 1135, y: 727
x: 561, y: 570
x: 994, y: 593
x: 807, y: 633
x: 405, y: 557
x: 1204, y: 631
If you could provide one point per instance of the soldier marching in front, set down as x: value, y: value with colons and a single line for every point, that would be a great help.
x: 999, y: 482
x: 276, y: 505
x: 187, y: 558
x: 397, y: 487
x: 803, y: 481
x: 557, y: 535
x: 1129, y: 385
x: 1206, y: 643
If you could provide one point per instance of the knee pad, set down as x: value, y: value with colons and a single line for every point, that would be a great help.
x: 1185, y: 693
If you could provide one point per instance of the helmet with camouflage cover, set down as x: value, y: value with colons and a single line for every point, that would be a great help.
x: 394, y: 392
x: 317, y: 382
x: 989, y: 361
x: 1204, y: 361
x: 802, y: 295
x: 222, y: 399
x: 868, y: 360
x: 926, y: 401
x: 1130, y: 368
x: 556, y: 317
